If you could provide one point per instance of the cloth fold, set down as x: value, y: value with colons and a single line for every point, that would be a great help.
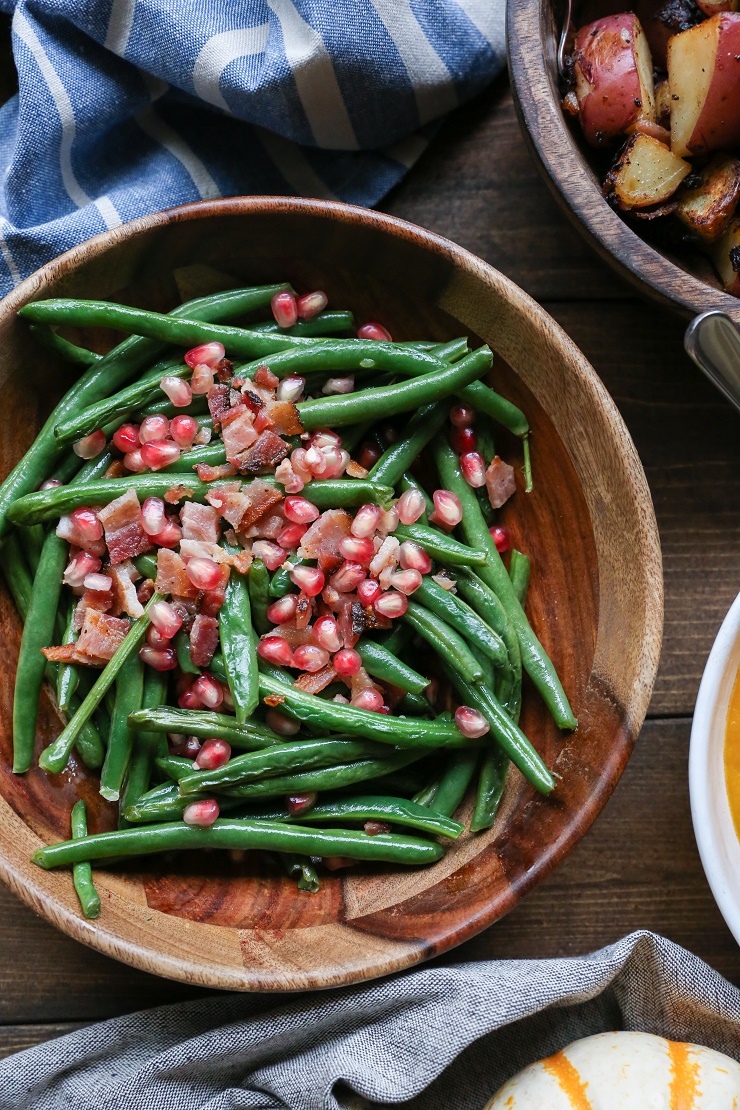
x: 126, y: 107
x: 442, y: 1038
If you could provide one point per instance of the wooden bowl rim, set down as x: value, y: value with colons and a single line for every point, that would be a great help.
x: 28, y: 882
x: 574, y: 186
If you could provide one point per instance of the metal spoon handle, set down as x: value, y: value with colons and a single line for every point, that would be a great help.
x: 713, y: 342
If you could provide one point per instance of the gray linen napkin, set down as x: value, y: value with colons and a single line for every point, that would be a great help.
x: 442, y: 1038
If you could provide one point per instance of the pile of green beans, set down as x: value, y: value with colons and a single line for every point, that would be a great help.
x: 322, y: 778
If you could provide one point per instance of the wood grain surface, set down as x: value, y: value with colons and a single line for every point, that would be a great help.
x: 638, y: 867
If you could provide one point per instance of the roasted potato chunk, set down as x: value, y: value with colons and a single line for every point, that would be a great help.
x: 704, y: 78
x: 726, y: 257
x: 707, y: 208
x: 613, y: 73
x: 647, y: 173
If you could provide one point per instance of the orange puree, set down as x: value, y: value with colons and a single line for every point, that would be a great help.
x: 732, y: 755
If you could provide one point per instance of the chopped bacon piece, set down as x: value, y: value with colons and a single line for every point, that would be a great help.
x: 100, y: 600
x: 171, y: 576
x: 352, y: 621
x: 243, y: 507
x: 219, y: 403
x: 296, y: 637
x: 270, y: 525
x: 68, y: 529
x: 375, y: 620
x: 322, y: 539
x: 315, y: 683
x: 124, y: 535
x: 212, y: 601
x: 63, y: 653
x: 354, y: 470
x: 500, y: 482
x: 100, y: 637
x: 208, y: 473
x: 385, y: 560
x: 124, y: 597
x: 117, y: 469
x: 238, y: 431
x: 224, y: 370
x: 264, y: 376
x: 303, y: 611
x: 203, y: 640
x: 273, y: 699
x: 282, y: 417
x: 265, y: 454
x: 199, y: 549
x: 287, y: 477
x: 200, y: 522
x: 241, y: 562
x: 177, y: 493
x: 252, y: 400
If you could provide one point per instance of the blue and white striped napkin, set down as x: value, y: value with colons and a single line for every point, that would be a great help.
x: 130, y: 106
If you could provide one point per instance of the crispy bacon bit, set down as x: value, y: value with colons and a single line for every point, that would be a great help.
x: 315, y: 683
x: 224, y: 370
x: 200, y: 549
x: 287, y: 477
x: 200, y: 522
x: 177, y: 493
x: 322, y: 539
x: 269, y: 526
x: 282, y: 417
x: 63, y: 653
x: 252, y: 400
x: 124, y: 597
x: 264, y: 376
x: 100, y: 637
x: 208, y: 473
x: 237, y: 429
x: 354, y: 470
x: 219, y: 403
x: 500, y: 482
x: 385, y: 560
x: 266, y: 453
x: 203, y: 640
x: 121, y: 521
x: 117, y: 469
x: 241, y: 562
x: 273, y: 700
x: 303, y: 611
x: 241, y: 508
x: 171, y: 576
x: 296, y: 637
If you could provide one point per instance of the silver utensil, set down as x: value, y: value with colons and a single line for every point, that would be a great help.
x: 713, y: 342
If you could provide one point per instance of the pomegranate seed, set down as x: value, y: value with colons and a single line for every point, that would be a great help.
x: 51, y: 483
x: 134, y: 462
x: 80, y: 567
x: 203, y: 437
x: 165, y: 618
x: 340, y: 699
x: 86, y: 522
x: 284, y: 309
x: 310, y: 657
x: 368, y: 590
x: 299, y: 464
x: 473, y: 469
x: 462, y: 416
x: 183, y: 430
x: 447, y: 506
x: 348, y: 577
x: 299, y: 510
x: 281, y: 723
x: 290, y: 537
x: 326, y: 633
x: 316, y: 461
x: 410, y: 506
x: 159, y: 454
x: 213, y: 754
x: 208, y: 354
x: 366, y: 521
x: 283, y: 610
x: 191, y: 747
x: 271, y: 554
x: 202, y: 814
x: 368, y: 455
x: 413, y: 557
x: 208, y: 690
x: 204, y: 573
x: 391, y: 604
x: 126, y: 438
x: 463, y: 440
x: 406, y: 581
x: 338, y: 385
x: 337, y: 461
x: 311, y: 304
x: 97, y: 582
x: 160, y: 659
x: 325, y: 437
x: 470, y: 722
x: 290, y: 389
x: 90, y: 446
x: 309, y: 579
x: 153, y: 518
x: 372, y: 700
x: 347, y: 662
x: 501, y: 538
x: 300, y: 803
x: 201, y: 381
x: 155, y: 638
x: 443, y: 581
x: 275, y: 650
x: 356, y: 550
x: 178, y: 391
x: 388, y: 520
x: 189, y: 700
x: 154, y: 428
x: 374, y: 331
x: 170, y: 535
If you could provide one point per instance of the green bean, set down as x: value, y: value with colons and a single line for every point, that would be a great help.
x: 455, y: 612
x: 198, y: 408
x: 249, y: 736
x: 383, y: 664
x: 129, y: 690
x: 443, y: 639
x: 491, y: 783
x: 271, y: 836
x: 453, y: 350
x: 399, y: 731
x: 489, y: 608
x: 117, y: 406
x: 82, y: 871
x: 415, y: 704
x: 397, y: 639
x: 54, y: 757
x: 68, y: 674
x: 38, y: 633
x: 303, y: 870
x: 146, y: 565
x: 454, y: 782
x: 145, y: 744
x: 164, y: 803
x: 353, y: 434
x: 174, y: 767
x: 322, y: 325
x: 519, y: 567
x: 181, y: 644
x: 258, y: 584
x: 396, y: 811
x: 300, y: 755
x: 89, y: 744
x: 422, y: 427
x: 16, y: 573
x: 239, y: 645
x: 349, y: 408
x: 323, y: 779
x: 441, y: 546
x: 534, y: 657
x: 50, y: 503
x: 70, y: 352
x: 32, y: 541
x: 281, y: 582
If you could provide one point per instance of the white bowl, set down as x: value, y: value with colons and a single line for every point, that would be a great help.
x: 715, y: 833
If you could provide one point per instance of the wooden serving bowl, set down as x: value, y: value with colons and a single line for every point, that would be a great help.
x: 595, y: 600
x: 684, y: 281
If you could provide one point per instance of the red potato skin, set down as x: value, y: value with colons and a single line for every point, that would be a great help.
x: 718, y: 126
x: 605, y: 57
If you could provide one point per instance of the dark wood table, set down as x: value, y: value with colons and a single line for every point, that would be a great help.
x: 639, y: 867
